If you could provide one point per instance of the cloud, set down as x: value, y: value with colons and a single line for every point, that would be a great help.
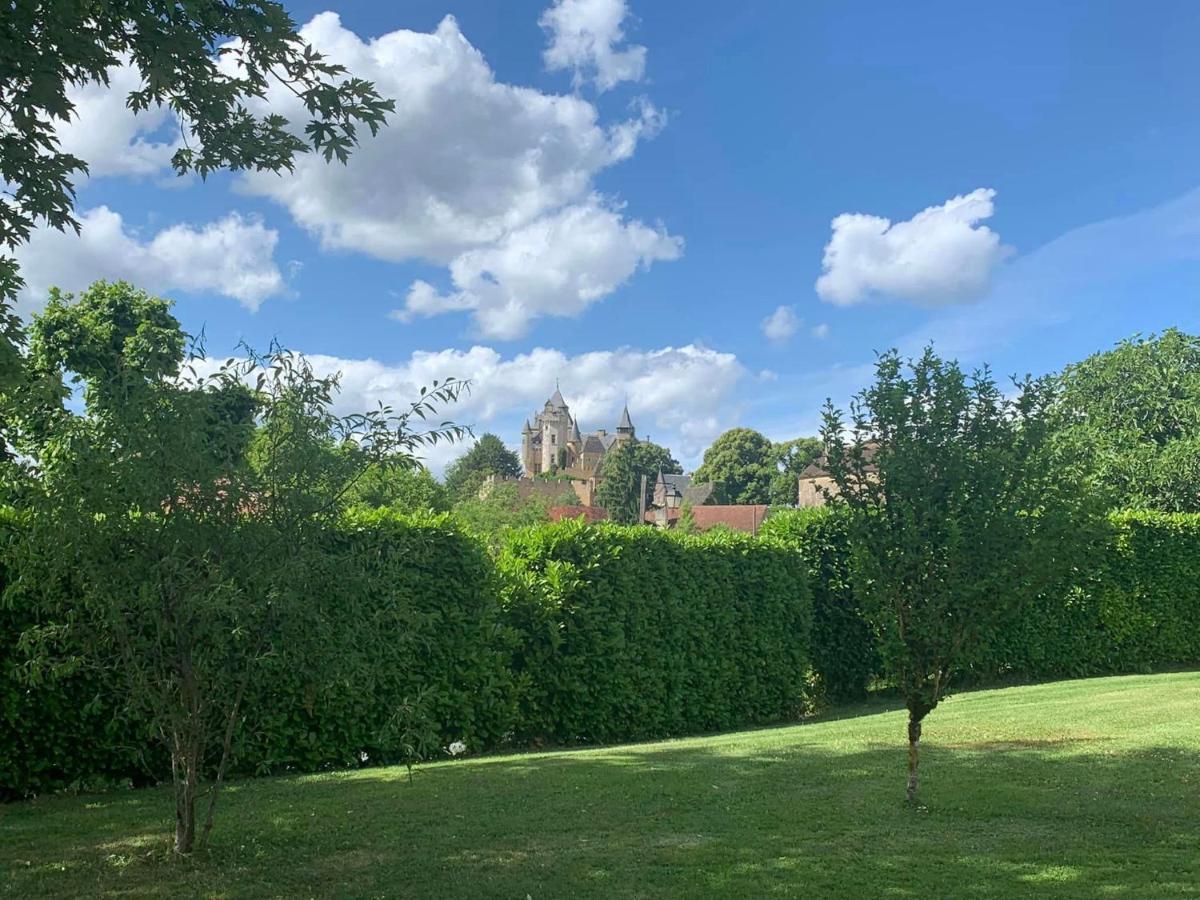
x: 232, y: 256
x: 939, y: 257
x: 820, y: 332
x: 679, y: 396
x: 780, y: 325
x: 557, y: 265
x: 469, y: 173
x: 585, y: 37
x: 106, y: 134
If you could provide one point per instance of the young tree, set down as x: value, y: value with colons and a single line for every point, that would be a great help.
x: 1137, y: 407
x: 178, y: 530
x: 741, y: 464
x: 963, y: 508
x: 487, y: 457
x: 626, y: 467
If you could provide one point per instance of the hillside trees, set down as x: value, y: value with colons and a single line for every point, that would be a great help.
x: 968, y: 509
x: 488, y: 456
x: 176, y: 531
x: 1137, y: 408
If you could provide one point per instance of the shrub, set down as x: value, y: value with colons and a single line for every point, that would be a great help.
x: 633, y: 633
x: 844, y: 655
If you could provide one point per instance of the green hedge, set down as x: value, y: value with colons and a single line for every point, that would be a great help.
x: 431, y: 655
x: 1135, y: 608
x: 430, y: 666
x: 587, y: 633
x: 844, y: 658
x: 633, y: 633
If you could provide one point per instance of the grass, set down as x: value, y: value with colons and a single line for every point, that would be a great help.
x: 1074, y: 789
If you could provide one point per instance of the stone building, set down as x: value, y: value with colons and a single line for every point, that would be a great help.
x: 554, y: 443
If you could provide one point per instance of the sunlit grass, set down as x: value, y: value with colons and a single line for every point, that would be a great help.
x: 1074, y: 789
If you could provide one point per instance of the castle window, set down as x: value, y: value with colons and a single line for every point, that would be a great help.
x: 553, y: 439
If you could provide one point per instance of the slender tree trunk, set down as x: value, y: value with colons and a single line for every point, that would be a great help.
x: 185, y: 773
x: 226, y: 752
x: 914, y: 748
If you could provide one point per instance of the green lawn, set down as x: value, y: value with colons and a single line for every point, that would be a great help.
x: 1075, y: 789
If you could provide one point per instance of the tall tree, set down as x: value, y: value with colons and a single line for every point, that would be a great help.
x: 791, y: 458
x: 1137, y: 407
x: 626, y: 467
x: 177, y: 530
x: 488, y: 456
x: 741, y: 464
x: 964, y: 508
x: 208, y: 60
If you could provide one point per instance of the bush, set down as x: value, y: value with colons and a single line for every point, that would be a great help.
x: 632, y: 633
x: 844, y: 655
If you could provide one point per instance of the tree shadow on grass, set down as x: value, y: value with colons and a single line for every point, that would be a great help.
x: 1065, y: 818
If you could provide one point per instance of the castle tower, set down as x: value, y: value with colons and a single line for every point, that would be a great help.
x: 556, y: 425
x: 527, y: 457
x: 625, y: 430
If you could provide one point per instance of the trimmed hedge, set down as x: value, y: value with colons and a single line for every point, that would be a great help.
x: 632, y: 633
x: 588, y: 633
x: 430, y: 665
x: 844, y: 658
x: 1136, y: 609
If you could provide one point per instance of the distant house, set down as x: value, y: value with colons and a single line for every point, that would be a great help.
x: 743, y: 517
x: 816, y: 484
x: 677, y: 490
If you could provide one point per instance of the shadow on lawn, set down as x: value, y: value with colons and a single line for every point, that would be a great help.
x: 1065, y: 818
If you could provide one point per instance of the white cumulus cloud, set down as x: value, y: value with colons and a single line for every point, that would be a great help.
x: 941, y: 256
x: 471, y: 173
x: 780, y: 325
x: 586, y: 36
x: 557, y: 265
x: 232, y: 256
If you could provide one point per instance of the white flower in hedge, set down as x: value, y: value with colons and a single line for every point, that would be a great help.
x: 456, y: 748
x: 362, y: 756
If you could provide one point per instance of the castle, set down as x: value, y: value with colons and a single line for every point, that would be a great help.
x: 553, y: 443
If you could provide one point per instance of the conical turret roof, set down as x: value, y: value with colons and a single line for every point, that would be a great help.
x: 575, y: 435
x: 528, y: 428
x: 625, y: 422
x: 556, y: 400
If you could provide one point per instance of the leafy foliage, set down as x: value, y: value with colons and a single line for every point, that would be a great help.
x: 177, y: 530
x: 488, y: 456
x: 206, y: 59
x: 400, y: 488
x: 503, y: 509
x: 790, y: 459
x: 965, y: 512
x: 845, y: 657
x: 634, y: 633
x: 741, y: 464
x: 625, y: 466
x: 1137, y: 410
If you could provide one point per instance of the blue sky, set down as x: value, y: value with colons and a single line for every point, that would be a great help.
x: 639, y: 199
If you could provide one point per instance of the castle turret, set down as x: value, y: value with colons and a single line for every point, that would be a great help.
x: 625, y: 429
